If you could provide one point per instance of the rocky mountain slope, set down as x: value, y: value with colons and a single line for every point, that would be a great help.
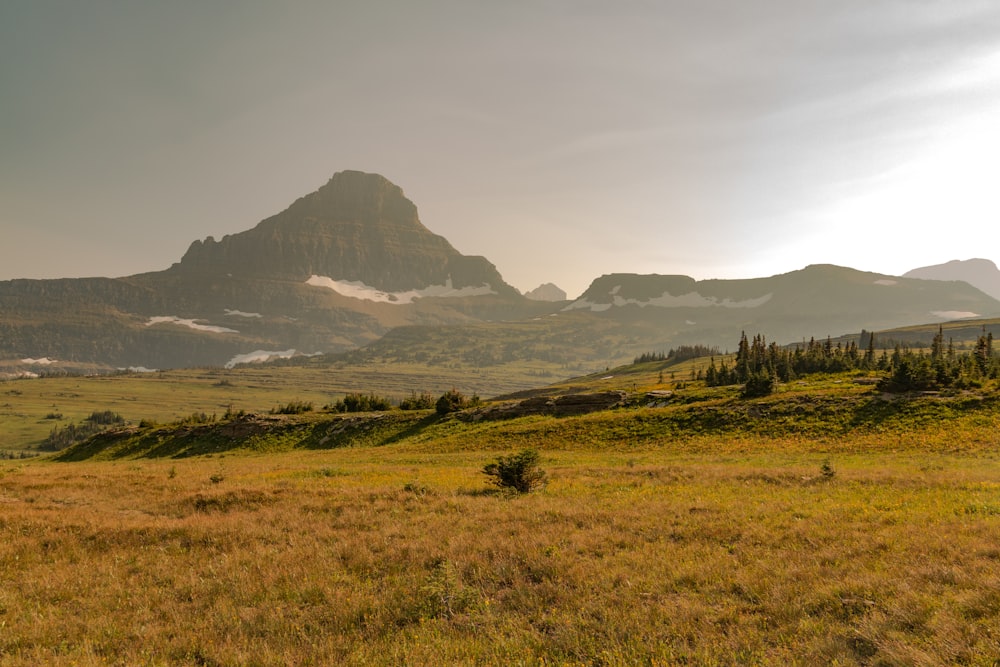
x: 334, y: 271
x: 980, y: 273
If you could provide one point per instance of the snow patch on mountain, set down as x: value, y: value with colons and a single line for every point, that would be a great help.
x: 954, y: 314
x: 240, y: 313
x: 259, y: 356
x: 44, y: 361
x: 191, y: 324
x: 356, y: 289
x: 668, y: 300
x: 584, y: 304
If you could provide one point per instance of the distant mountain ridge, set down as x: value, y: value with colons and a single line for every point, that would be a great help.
x: 818, y: 300
x: 980, y: 273
x: 546, y: 292
x: 343, y: 266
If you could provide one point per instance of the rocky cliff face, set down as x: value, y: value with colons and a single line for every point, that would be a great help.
x: 254, y: 292
x: 358, y: 227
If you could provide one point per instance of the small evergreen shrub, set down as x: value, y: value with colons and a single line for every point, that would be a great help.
x: 517, y: 471
x: 451, y: 401
x: 758, y: 384
x: 293, y: 408
x: 196, y: 418
x: 414, y: 402
x: 361, y: 403
x: 60, y: 439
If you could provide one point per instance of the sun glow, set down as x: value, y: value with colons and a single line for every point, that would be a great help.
x: 926, y: 209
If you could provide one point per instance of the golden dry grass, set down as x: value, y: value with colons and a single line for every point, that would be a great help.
x: 402, y: 555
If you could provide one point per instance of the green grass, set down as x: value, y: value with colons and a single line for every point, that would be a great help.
x: 171, y: 395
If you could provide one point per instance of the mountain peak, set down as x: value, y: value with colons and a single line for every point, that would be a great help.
x: 982, y: 274
x: 546, y: 292
x: 358, y: 227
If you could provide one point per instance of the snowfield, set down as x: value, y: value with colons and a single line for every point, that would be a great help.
x: 258, y: 356
x: 240, y: 313
x: 667, y: 300
x: 20, y: 375
x: 358, y: 290
x: 953, y: 314
x: 191, y: 324
x: 44, y: 361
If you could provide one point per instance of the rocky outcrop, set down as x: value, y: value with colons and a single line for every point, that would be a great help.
x: 558, y: 406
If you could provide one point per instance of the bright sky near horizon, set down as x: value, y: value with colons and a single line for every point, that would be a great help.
x: 562, y: 139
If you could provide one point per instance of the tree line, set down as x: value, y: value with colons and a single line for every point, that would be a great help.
x: 759, y: 364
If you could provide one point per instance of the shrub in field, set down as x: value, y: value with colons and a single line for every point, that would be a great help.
x: 422, y: 402
x: 450, y: 401
x: 60, y: 439
x: 453, y: 400
x: 758, y: 384
x: 517, y: 471
x: 293, y: 408
x: 197, y: 418
x: 361, y: 403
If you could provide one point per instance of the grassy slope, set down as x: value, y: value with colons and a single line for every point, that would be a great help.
x: 825, y: 413
x: 703, y: 532
x: 647, y: 546
x: 171, y: 395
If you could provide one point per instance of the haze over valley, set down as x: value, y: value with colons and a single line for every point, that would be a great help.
x: 342, y: 266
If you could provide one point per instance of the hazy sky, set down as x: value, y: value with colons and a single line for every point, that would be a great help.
x: 561, y: 139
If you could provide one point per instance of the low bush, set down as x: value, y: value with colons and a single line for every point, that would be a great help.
x: 293, y: 408
x: 758, y: 384
x: 517, y: 471
x: 453, y: 400
x: 361, y: 403
x: 60, y: 439
x: 414, y: 402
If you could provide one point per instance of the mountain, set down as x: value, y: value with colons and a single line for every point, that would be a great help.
x: 344, y: 266
x: 335, y: 270
x: 818, y: 300
x: 980, y: 273
x: 546, y: 292
x: 357, y: 228
x: 621, y: 316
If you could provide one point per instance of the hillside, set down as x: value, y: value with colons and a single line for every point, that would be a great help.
x: 980, y: 273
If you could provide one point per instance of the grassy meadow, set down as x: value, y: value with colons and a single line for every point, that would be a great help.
x: 31, y: 408
x: 821, y: 525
